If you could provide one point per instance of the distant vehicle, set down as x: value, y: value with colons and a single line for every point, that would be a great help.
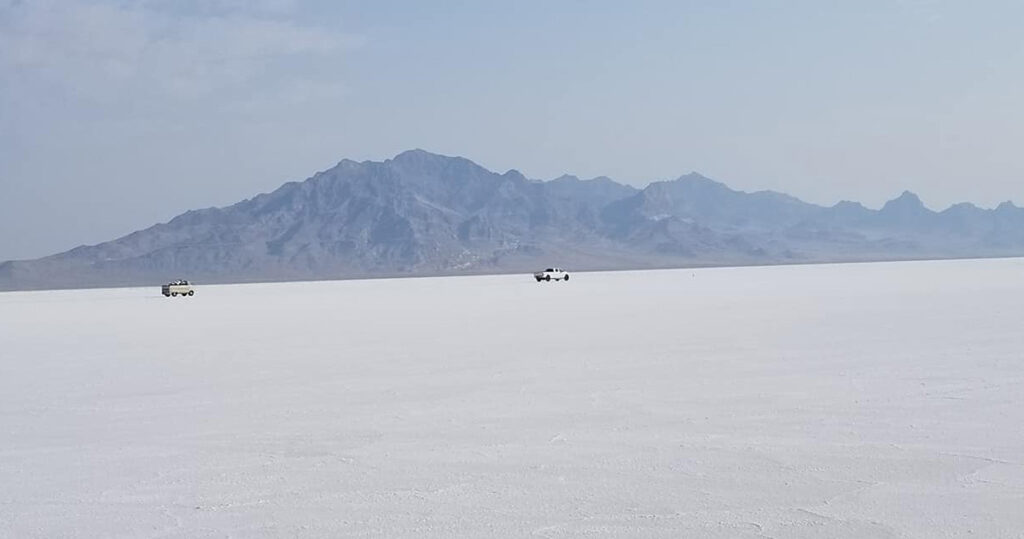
x: 551, y: 274
x: 180, y: 287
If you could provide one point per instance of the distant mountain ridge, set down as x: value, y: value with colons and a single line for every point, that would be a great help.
x: 426, y: 214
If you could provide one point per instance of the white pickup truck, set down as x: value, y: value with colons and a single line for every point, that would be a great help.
x: 551, y: 274
x: 177, y: 288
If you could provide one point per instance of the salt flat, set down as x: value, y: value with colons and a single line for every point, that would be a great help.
x: 867, y: 400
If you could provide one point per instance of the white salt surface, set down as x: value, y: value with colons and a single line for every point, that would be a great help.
x: 871, y: 400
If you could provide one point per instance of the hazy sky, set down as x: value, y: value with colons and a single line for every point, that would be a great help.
x: 115, y: 115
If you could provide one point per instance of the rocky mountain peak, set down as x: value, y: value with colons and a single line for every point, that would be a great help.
x: 906, y: 200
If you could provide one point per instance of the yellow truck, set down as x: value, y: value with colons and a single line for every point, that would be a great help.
x: 178, y: 288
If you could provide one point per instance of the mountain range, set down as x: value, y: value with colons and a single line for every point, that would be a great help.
x: 426, y: 214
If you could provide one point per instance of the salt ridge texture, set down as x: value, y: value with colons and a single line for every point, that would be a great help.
x: 863, y: 400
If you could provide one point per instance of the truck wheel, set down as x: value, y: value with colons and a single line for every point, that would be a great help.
x: 174, y: 294
x: 547, y: 278
x: 567, y: 277
x: 193, y: 292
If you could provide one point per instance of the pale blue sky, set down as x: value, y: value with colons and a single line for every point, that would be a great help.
x: 115, y: 115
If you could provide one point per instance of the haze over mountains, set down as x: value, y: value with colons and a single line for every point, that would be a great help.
x: 427, y: 214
